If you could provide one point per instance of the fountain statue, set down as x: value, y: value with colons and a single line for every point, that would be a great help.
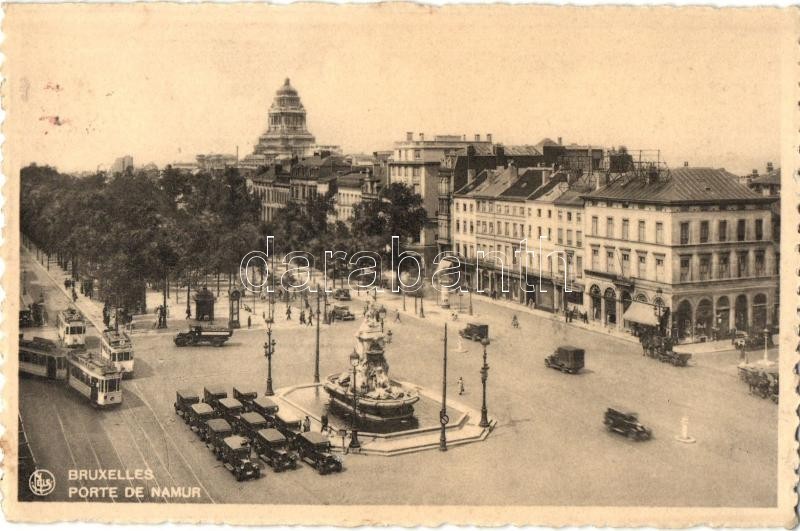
x: 380, y: 400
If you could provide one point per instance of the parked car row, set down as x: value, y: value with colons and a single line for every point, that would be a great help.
x: 238, y: 427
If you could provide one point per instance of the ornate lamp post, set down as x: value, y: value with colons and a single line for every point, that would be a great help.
x: 316, y: 354
x: 269, y: 350
x: 766, y: 341
x: 443, y: 418
x: 354, y: 428
x: 484, y: 376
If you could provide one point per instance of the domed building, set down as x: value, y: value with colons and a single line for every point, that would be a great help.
x: 287, y: 135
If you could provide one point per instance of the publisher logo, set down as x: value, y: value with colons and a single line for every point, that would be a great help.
x: 42, y: 482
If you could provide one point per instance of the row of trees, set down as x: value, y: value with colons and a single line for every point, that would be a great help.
x: 129, y: 229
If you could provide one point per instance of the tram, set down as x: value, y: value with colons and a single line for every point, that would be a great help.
x: 95, y: 378
x: 116, y: 347
x: 71, y: 328
x: 43, y: 358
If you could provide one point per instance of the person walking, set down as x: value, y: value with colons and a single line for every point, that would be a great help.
x: 249, y: 321
x: 324, y: 423
x: 460, y: 383
x: 302, y: 317
x: 397, y: 316
x: 307, y: 424
x: 310, y: 321
x: 288, y: 313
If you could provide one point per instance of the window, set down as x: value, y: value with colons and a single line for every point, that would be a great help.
x: 491, y: 228
x: 483, y: 227
x: 609, y: 227
x: 626, y: 264
x: 703, y: 231
x: 549, y: 234
x: 741, y: 230
x: 724, y: 266
x: 705, y: 267
x: 594, y: 225
x: 549, y: 213
x: 560, y: 214
x: 538, y: 212
x: 625, y: 228
x: 577, y: 217
x: 540, y: 232
x: 569, y: 237
x: 471, y: 205
x: 760, y: 269
x: 515, y: 230
x: 529, y: 231
x: 458, y: 226
x: 569, y: 216
x: 641, y: 266
x: 560, y: 236
x: 507, y: 233
x: 579, y: 238
x: 686, y: 262
x: 506, y: 209
x: 642, y: 228
x: 741, y: 264
x: 417, y: 154
x: 659, y: 232
x: 759, y: 229
x: 415, y: 172
x: 659, y: 269
x: 471, y: 228
x: 610, y: 261
x: 596, y: 259
x: 722, y: 231
x: 684, y: 233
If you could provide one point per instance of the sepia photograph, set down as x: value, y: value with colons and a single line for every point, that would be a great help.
x: 397, y: 264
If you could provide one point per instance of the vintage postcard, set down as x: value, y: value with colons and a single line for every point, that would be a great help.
x: 397, y: 264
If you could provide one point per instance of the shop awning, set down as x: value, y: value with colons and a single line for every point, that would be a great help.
x: 641, y: 313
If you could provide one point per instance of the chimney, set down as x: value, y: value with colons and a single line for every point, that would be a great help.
x: 409, y: 136
x: 770, y: 167
x: 559, y: 141
x: 685, y: 163
x: 477, y: 138
x: 421, y: 137
x: 500, y: 157
x: 489, y: 137
x: 513, y: 171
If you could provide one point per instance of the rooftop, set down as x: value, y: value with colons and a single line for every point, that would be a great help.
x: 683, y: 185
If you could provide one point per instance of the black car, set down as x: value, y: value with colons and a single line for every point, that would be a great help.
x: 342, y: 313
x: 230, y: 409
x: 315, y: 449
x: 266, y: 407
x: 288, y: 424
x: 198, y: 335
x: 475, y: 331
x: 251, y: 423
x: 342, y: 294
x: 627, y: 424
x: 184, y: 398
x: 213, y: 394
x: 273, y: 448
x: 236, y: 458
x: 198, y: 417
x: 215, y: 433
x: 566, y: 359
x: 245, y: 396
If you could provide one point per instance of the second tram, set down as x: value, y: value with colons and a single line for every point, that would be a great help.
x: 117, y: 348
x: 71, y: 328
x: 95, y: 378
x: 42, y: 357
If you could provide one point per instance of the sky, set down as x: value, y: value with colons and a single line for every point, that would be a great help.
x: 89, y: 83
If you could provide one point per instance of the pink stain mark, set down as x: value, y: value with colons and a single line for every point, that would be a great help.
x: 54, y: 120
x: 53, y: 86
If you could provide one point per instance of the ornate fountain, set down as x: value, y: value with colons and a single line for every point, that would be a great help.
x: 379, y: 399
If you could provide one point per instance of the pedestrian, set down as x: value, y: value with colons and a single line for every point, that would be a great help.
x: 310, y: 321
x: 188, y: 312
x: 397, y: 316
x: 514, y: 321
x: 566, y: 315
x: 249, y: 321
x: 324, y: 423
x: 460, y: 383
x: 302, y: 317
x: 307, y: 424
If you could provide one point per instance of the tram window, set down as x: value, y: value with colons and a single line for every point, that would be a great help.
x: 60, y: 363
x: 113, y: 385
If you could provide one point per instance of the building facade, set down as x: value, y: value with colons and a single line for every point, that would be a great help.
x: 272, y: 188
x: 691, y: 240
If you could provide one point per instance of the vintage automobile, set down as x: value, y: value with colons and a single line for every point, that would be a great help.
x: 266, y: 407
x: 215, y: 433
x: 236, y: 458
x: 288, y: 424
x: 198, y: 417
x: 184, y: 398
x: 250, y: 423
x: 678, y: 359
x: 245, y: 396
x: 475, y: 331
x: 626, y: 423
x: 230, y: 409
x: 213, y: 394
x: 566, y: 359
x: 199, y: 335
x: 272, y: 447
x: 315, y: 449
x: 342, y: 294
x: 342, y: 313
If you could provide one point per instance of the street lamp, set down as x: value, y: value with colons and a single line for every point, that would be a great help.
x: 269, y: 350
x: 354, y: 429
x: 766, y: 341
x: 316, y: 357
x: 443, y: 418
x: 484, y: 376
